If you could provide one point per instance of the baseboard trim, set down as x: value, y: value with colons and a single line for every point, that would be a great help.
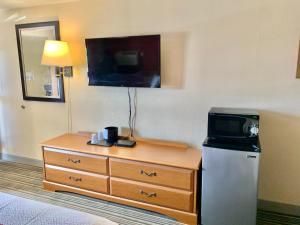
x: 19, y: 159
x: 279, y: 207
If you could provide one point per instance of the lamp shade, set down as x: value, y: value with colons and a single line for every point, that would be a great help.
x: 56, y: 53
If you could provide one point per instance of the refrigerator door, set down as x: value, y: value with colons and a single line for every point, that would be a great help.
x: 229, y: 187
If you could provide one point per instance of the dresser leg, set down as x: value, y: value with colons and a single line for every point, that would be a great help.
x: 49, y: 187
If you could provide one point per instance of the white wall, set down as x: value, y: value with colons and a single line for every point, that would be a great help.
x: 215, y: 53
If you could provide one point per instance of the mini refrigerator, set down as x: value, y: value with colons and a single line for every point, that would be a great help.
x: 229, y: 183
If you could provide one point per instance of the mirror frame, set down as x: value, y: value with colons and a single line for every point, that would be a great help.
x: 18, y: 27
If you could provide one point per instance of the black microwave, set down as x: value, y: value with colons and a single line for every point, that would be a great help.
x: 234, y: 125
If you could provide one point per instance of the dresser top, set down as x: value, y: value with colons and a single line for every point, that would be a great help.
x: 151, y: 152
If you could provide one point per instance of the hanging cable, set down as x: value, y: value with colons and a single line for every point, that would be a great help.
x: 69, y: 107
x: 129, y: 119
x: 132, y: 112
x: 134, y: 109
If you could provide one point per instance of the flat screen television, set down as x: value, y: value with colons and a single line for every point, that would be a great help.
x: 124, y: 61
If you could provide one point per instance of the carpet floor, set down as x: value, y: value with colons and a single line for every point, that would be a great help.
x: 26, y: 181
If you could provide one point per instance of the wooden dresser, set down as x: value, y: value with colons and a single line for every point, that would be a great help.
x: 154, y: 176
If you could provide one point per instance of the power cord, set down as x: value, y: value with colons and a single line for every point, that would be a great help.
x: 132, y: 112
x: 69, y: 107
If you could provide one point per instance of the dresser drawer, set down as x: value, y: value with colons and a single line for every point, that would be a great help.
x: 153, y: 194
x: 80, y: 179
x: 151, y: 173
x: 74, y: 160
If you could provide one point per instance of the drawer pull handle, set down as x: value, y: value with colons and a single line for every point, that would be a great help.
x: 73, y: 161
x: 154, y: 174
x: 75, y: 179
x: 149, y: 195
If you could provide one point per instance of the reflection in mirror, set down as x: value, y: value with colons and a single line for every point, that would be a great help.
x: 39, y: 82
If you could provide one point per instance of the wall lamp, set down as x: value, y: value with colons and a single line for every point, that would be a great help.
x: 57, y: 53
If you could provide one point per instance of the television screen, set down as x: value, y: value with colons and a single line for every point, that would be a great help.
x: 124, y: 61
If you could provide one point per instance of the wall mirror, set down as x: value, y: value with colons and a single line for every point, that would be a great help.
x: 39, y: 82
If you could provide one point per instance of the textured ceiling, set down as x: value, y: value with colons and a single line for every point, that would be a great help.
x: 13, y: 4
